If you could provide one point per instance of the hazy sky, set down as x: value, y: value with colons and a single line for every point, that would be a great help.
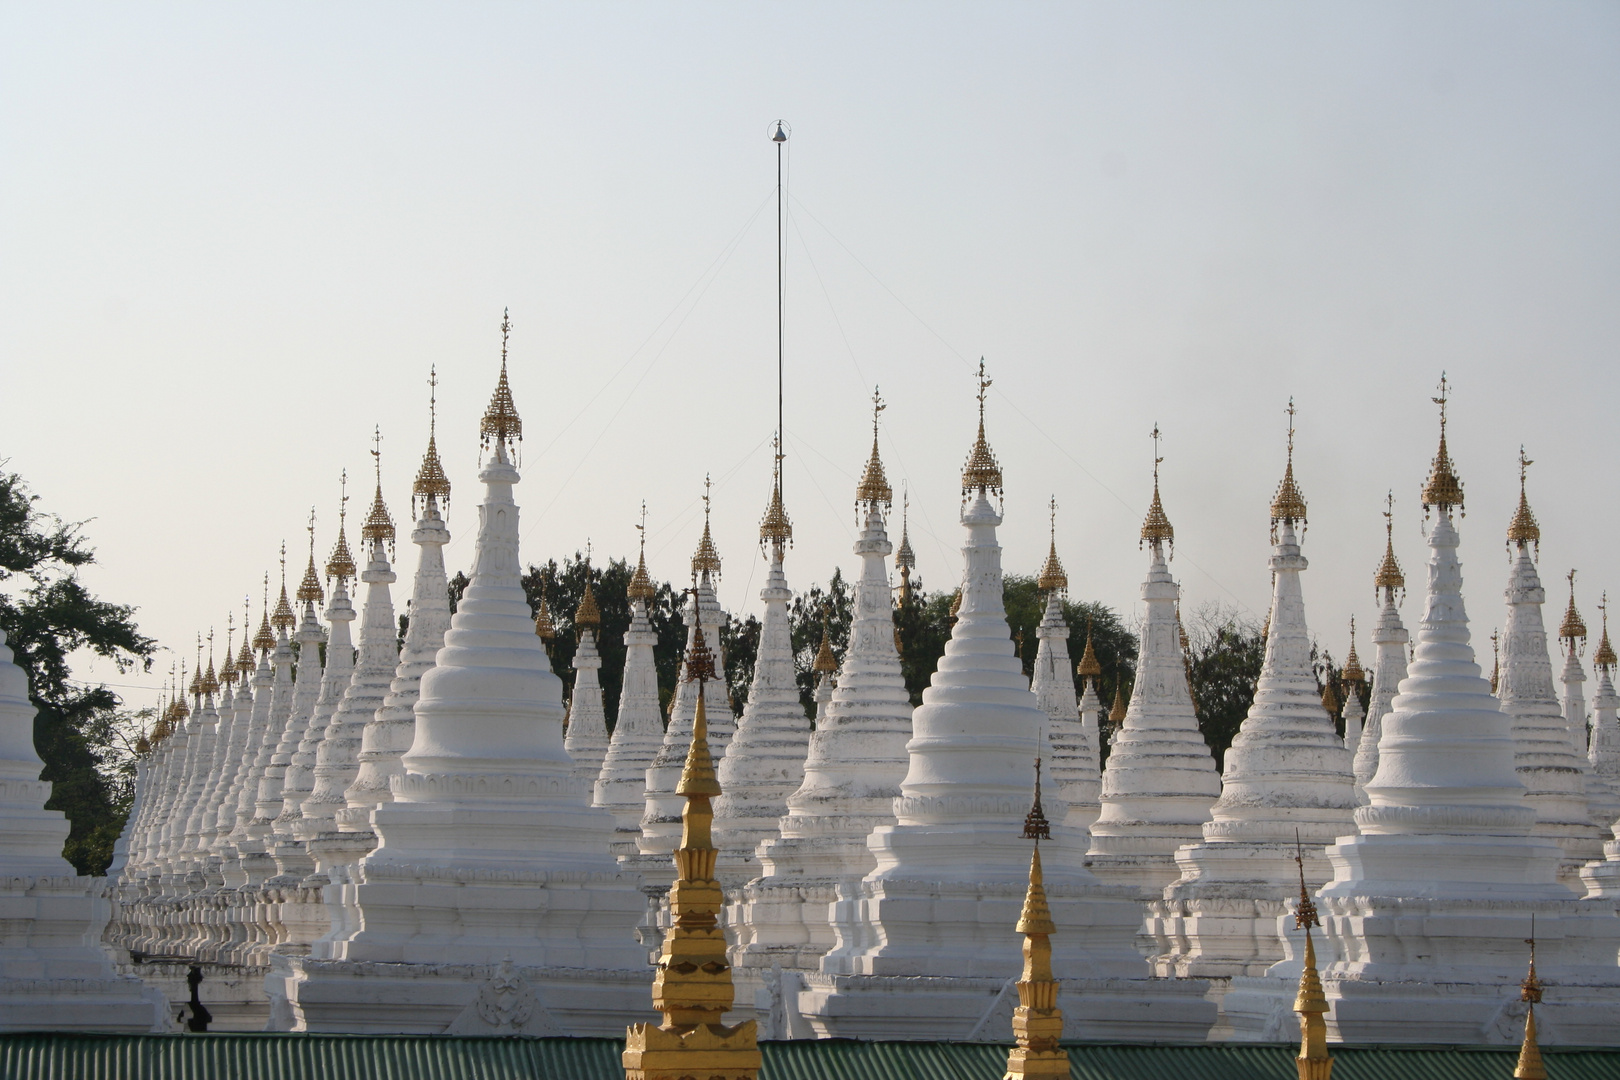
x: 233, y: 238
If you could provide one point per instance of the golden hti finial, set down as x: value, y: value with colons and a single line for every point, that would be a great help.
x: 1353, y: 672
x: 1529, y: 1066
x: 956, y: 606
x: 545, y: 628
x: 431, y: 481
x: 1037, y: 1022
x: 1052, y: 578
x: 706, y: 559
x: 227, y: 670
x: 210, y: 680
x: 1604, y: 659
x: 874, y: 487
x: 309, y: 590
x: 1442, y: 490
x: 981, y: 474
x: 1116, y: 715
x: 905, y: 558
x: 1330, y: 700
x: 196, y: 685
x: 1572, y: 630
x: 774, y: 528
x: 341, y: 563
x: 1288, y: 505
x: 1088, y: 667
x: 641, y: 586
x: 825, y: 663
x: 283, y: 618
x: 501, y: 422
x: 1311, y: 1003
x: 265, y: 639
x: 1389, y: 577
x: 244, y: 658
x: 1524, y: 529
x: 379, y: 525
x: 692, y: 986
x: 1156, y: 527
x: 588, y: 616
x: 1496, y: 661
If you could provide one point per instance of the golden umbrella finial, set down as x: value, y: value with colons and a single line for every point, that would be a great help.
x: 1389, y: 576
x: 501, y: 422
x: 874, y: 487
x: 1524, y: 529
x: 431, y: 481
x: 641, y: 586
x: 1573, y: 629
x: 1288, y: 506
x: 1156, y: 527
x: 1442, y: 490
x: 982, y: 473
x: 1052, y: 578
x: 1037, y: 1021
x: 1310, y: 1003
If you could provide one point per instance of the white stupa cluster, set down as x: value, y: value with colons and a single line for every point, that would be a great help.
x: 343, y: 830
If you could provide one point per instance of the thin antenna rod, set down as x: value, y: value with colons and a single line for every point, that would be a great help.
x: 779, y: 137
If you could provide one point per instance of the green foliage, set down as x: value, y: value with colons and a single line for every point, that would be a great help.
x: 47, y: 615
x: 1225, y: 651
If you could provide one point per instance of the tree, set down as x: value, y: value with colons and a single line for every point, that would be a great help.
x: 830, y: 609
x: 1224, y: 654
x: 79, y: 730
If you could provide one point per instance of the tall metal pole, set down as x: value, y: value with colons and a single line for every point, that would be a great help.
x: 779, y: 138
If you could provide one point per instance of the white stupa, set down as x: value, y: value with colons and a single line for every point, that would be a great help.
x: 852, y: 771
x: 54, y: 973
x: 1548, y: 765
x: 764, y: 763
x: 638, y: 730
x: 1072, y: 754
x: 1602, y: 877
x: 1430, y: 904
x: 1160, y: 780
x: 587, y: 735
x: 492, y: 881
x: 1389, y: 655
x: 1352, y: 716
x: 925, y: 946
x: 1287, y: 779
x: 1572, y: 633
x: 248, y: 733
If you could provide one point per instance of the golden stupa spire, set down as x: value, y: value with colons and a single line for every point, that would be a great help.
x: 1116, y: 715
x: 1442, y: 489
x: 545, y: 627
x: 379, y: 525
x: 227, y: 669
x: 641, y: 586
x: 874, y: 486
x: 1573, y: 629
x: 341, y: 563
x: 196, y: 686
x: 282, y: 618
x: 310, y: 588
x: 1524, y: 529
x: 1288, y: 505
x: 210, y: 681
x: 587, y: 615
x: 431, y: 482
x: 1311, y: 1003
x: 706, y: 559
x: 1604, y: 659
x: 1037, y: 1021
x: 981, y: 474
x: 1156, y: 527
x: 1052, y: 576
x: 904, y: 557
x: 1529, y: 1066
x: 1353, y: 671
x: 1088, y: 667
x: 1389, y: 576
x: 1496, y: 660
x: 244, y: 657
x: 825, y: 663
x: 501, y: 421
x: 774, y: 527
x: 693, y: 985
x: 1330, y: 700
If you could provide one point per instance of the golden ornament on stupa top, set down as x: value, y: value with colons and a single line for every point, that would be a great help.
x: 1442, y: 490
x: 588, y: 614
x: 501, y: 422
x: 825, y: 663
x: 1037, y: 1021
x: 1156, y: 527
x: 227, y: 669
x: 982, y: 473
x: 1496, y: 661
x: 706, y: 559
x: 692, y: 985
x: 545, y: 628
x: 341, y: 563
x: 874, y: 486
x: 1330, y: 700
x: 379, y: 524
x: 1310, y: 1003
x: 1116, y: 715
x: 210, y: 681
x: 1288, y: 505
x: 774, y: 527
x: 1353, y: 672
x: 282, y: 618
x: 1604, y: 659
x: 905, y: 559
x: 431, y: 481
x: 1524, y: 529
x: 309, y: 590
x: 1052, y: 576
x: 1529, y: 1065
x: 641, y: 586
x: 1088, y: 667
x: 1573, y: 629
x: 1389, y: 576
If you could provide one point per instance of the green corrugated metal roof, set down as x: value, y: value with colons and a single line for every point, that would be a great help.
x: 422, y: 1057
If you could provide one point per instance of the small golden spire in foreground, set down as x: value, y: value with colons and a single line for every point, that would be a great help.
x: 982, y: 473
x: 1311, y: 1003
x: 693, y: 987
x: 1288, y: 506
x: 1529, y: 1066
x: 1442, y: 489
x: 1037, y: 1021
x: 1573, y: 629
x: 1052, y: 576
x: 1156, y: 527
